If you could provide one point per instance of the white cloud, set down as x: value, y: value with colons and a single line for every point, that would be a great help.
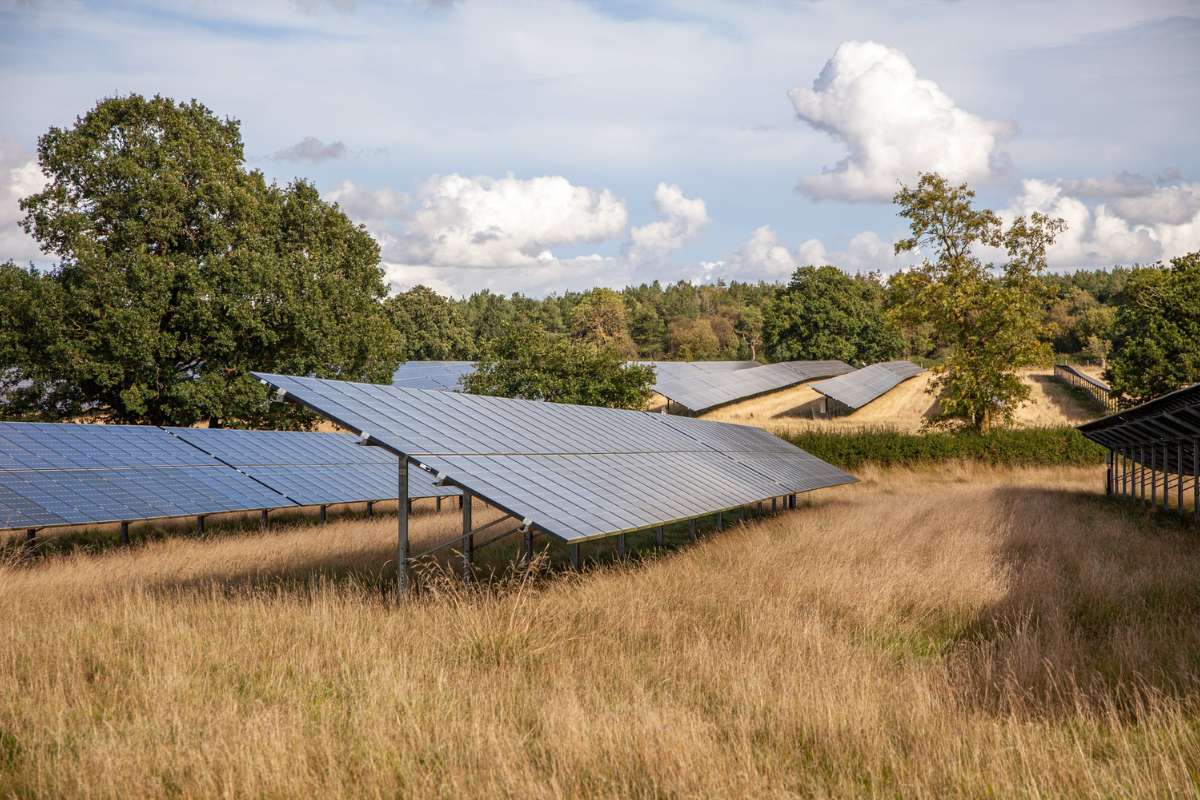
x: 1124, y: 184
x: 368, y: 205
x: 506, y: 222
x: 764, y: 257
x: 894, y: 125
x: 1161, y: 223
x: 683, y: 218
x: 1169, y: 205
x: 20, y: 177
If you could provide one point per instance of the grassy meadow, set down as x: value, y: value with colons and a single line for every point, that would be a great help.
x: 970, y: 630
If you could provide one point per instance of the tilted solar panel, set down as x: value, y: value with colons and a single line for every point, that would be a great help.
x: 54, y: 474
x: 856, y: 389
x: 442, y: 375
x: 702, y: 391
x: 311, y: 468
x: 576, y: 472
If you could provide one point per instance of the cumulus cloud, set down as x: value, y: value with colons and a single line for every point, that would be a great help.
x: 20, y: 177
x: 683, y: 218
x: 764, y: 257
x: 368, y: 205
x: 456, y: 221
x: 1160, y: 223
x: 1124, y: 184
x: 312, y: 150
x: 894, y: 124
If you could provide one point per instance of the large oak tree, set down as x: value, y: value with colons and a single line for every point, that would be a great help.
x: 178, y: 271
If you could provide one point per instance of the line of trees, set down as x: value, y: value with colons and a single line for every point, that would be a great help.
x: 178, y: 270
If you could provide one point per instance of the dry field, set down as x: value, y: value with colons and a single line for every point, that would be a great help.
x: 905, y: 407
x: 959, y: 632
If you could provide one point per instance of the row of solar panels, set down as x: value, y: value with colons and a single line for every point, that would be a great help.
x: 695, y: 385
x: 573, y: 472
x: 55, y: 474
x: 855, y: 389
x: 1141, y: 432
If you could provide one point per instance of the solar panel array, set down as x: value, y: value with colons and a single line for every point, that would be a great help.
x: 1141, y: 432
x: 442, y: 375
x: 856, y: 389
x: 695, y: 385
x: 575, y: 472
x: 311, y: 468
x: 74, y: 474
x: 55, y: 474
x: 703, y: 389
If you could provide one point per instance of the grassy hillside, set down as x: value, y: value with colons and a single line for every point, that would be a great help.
x: 968, y: 631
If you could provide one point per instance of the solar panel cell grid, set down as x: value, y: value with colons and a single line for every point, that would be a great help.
x: 856, y: 389
x: 577, y: 472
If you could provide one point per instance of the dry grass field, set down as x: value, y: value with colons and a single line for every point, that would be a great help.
x: 905, y: 407
x: 958, y: 632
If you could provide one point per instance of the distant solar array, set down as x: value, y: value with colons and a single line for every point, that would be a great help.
x: 700, y: 390
x: 694, y: 385
x: 573, y: 472
x: 56, y: 474
x: 855, y: 389
x: 442, y: 375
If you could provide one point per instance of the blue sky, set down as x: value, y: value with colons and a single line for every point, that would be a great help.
x: 543, y: 146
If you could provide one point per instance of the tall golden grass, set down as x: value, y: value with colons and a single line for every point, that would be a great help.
x: 961, y: 632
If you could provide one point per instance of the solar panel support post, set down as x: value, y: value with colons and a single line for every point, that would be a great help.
x: 760, y: 508
x: 720, y: 521
x: 468, y: 543
x: 660, y: 536
x: 573, y: 552
x: 792, y: 502
x: 1179, y: 484
x: 438, y: 503
x: 1153, y: 476
x: 692, y: 529
x: 264, y: 519
x: 774, y: 506
x: 1166, y: 473
x: 403, y: 506
x: 30, y: 536
x: 200, y: 523
x: 370, y: 508
x: 324, y: 515
x: 1196, y: 480
x: 527, y: 547
x: 124, y: 536
x: 1108, y: 475
x: 621, y: 546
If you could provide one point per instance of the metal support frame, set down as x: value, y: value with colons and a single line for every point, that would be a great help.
x: 1196, y: 480
x: 370, y: 509
x: 1166, y: 472
x: 573, y: 552
x: 692, y: 529
x: 621, y: 546
x: 1179, y: 484
x: 199, y: 523
x: 403, y: 507
x: 774, y: 505
x: 123, y: 538
x: 527, y: 547
x: 438, y: 503
x: 720, y: 521
x: 1108, y: 475
x: 30, y: 536
x: 264, y: 520
x: 324, y: 515
x: 1153, y: 476
x: 660, y: 536
x: 468, y: 540
x: 792, y: 502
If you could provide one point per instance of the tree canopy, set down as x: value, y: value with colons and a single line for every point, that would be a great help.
x: 986, y: 323
x: 179, y: 271
x: 1156, y: 333
x: 432, y: 327
x: 823, y: 313
x: 527, y: 361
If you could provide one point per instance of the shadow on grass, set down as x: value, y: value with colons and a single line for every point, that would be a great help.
x: 1102, y: 606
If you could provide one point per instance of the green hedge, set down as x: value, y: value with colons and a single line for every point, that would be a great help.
x: 1004, y: 446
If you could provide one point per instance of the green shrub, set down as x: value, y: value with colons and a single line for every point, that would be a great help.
x: 1062, y: 446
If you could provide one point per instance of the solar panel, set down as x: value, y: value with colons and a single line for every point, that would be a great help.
x: 856, y: 389
x: 443, y: 375
x: 576, y: 472
x: 695, y: 385
x: 311, y: 468
x: 54, y: 474
x: 702, y: 390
